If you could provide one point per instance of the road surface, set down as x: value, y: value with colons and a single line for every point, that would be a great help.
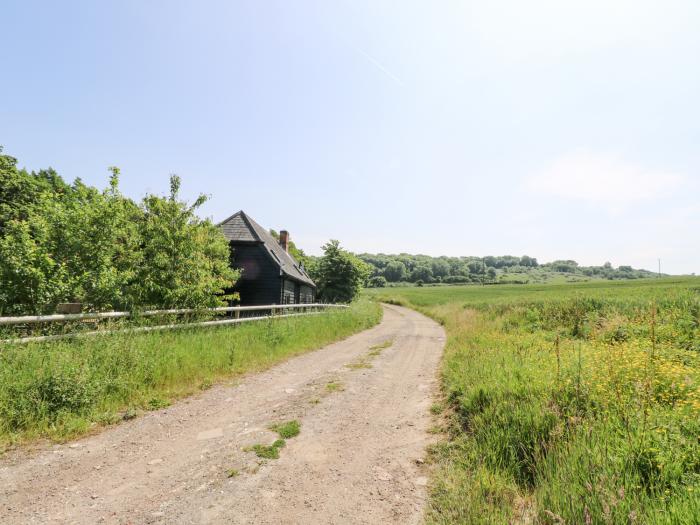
x: 359, y: 457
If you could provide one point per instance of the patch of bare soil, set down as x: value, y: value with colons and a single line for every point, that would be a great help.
x: 358, y: 458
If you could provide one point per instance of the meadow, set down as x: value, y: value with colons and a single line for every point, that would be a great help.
x: 567, y: 403
x: 62, y: 389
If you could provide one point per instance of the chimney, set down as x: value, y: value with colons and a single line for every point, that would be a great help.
x: 284, y: 240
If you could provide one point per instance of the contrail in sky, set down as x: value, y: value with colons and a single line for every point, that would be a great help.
x: 379, y: 66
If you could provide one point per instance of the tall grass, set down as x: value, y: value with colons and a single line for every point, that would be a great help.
x: 569, y: 404
x: 61, y: 389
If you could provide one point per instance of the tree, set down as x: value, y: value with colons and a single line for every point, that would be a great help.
x: 422, y: 273
x: 97, y: 243
x: 338, y: 274
x: 31, y: 279
x: 440, y: 268
x: 491, y: 273
x: 61, y: 242
x: 187, y: 258
x: 378, y: 281
x: 527, y: 261
x: 476, y: 267
x: 395, y: 271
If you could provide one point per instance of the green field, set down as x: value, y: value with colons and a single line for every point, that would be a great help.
x: 62, y: 389
x: 571, y: 403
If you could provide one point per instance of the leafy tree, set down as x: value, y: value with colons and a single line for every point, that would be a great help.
x: 395, y: 271
x: 476, y: 267
x: 491, y: 273
x: 339, y: 275
x: 30, y: 277
x: 378, y: 281
x: 440, y: 268
x: 97, y: 243
x: 61, y: 242
x: 186, y: 258
x: 567, y: 266
x: 422, y: 273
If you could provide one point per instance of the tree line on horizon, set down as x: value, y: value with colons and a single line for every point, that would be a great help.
x: 387, y: 269
x: 425, y: 269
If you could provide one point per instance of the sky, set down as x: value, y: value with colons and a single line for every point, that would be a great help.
x: 560, y: 130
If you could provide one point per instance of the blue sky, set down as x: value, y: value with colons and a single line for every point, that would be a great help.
x: 548, y: 128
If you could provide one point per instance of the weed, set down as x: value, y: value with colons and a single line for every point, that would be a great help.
x: 334, y: 386
x: 156, y: 403
x: 436, y: 408
x: 287, y: 430
x: 375, y: 350
x: 232, y: 473
x: 129, y: 413
x: 269, y: 451
x: 357, y: 365
x: 263, y: 451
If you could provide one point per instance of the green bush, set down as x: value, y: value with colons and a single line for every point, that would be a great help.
x: 73, y: 243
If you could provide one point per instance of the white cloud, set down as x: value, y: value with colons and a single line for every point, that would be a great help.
x: 604, y: 180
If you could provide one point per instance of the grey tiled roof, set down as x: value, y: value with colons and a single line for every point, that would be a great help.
x: 236, y: 229
x: 239, y: 227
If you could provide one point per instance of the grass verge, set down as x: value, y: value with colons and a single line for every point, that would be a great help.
x: 62, y: 389
x: 568, y: 403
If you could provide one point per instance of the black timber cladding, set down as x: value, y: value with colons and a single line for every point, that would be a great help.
x: 270, y: 275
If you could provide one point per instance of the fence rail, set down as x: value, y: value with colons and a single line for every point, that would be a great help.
x: 25, y: 319
x: 315, y: 308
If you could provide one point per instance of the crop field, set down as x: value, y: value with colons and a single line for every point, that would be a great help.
x: 572, y: 403
x: 62, y: 389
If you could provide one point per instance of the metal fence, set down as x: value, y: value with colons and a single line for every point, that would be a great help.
x: 236, y: 315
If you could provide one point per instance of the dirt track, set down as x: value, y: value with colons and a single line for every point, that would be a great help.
x: 357, y: 460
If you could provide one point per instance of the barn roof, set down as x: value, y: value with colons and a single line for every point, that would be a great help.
x: 239, y: 227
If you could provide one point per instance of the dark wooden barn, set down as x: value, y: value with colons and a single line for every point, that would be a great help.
x: 270, y: 275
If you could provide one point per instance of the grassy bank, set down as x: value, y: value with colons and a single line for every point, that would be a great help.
x: 65, y: 388
x: 568, y: 403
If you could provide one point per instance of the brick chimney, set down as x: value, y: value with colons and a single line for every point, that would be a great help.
x: 284, y: 240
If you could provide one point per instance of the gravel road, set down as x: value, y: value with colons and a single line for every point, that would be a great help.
x: 358, y: 459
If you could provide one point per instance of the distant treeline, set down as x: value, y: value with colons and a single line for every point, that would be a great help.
x: 63, y: 242
x: 505, y: 268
